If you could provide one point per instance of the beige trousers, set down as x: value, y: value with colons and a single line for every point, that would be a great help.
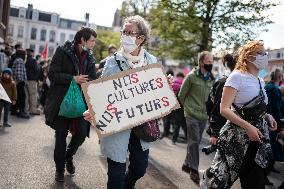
x: 31, y: 96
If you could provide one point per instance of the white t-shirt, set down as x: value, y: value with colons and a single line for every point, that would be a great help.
x: 247, y: 86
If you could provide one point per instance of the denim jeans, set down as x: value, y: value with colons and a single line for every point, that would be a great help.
x: 138, y: 162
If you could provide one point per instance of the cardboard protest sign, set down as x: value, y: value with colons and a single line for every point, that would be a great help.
x: 129, y: 98
x: 3, y: 94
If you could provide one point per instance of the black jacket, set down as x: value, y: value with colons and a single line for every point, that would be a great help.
x: 64, y: 66
x: 33, y: 69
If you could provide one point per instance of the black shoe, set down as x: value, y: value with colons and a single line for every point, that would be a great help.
x: 194, y: 176
x: 34, y: 113
x: 209, y: 149
x: 59, y: 176
x: 7, y: 125
x: 70, y: 166
x: 23, y: 115
x: 186, y: 168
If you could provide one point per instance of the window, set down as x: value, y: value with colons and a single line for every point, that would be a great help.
x: 20, y: 31
x: 14, y: 12
x: 10, y: 30
x: 62, y: 38
x: 71, y: 37
x: 40, y: 49
x: 278, y: 55
x: 42, y: 35
x: 76, y: 25
x: 32, y: 46
x: 63, y: 24
x: 52, y: 36
x: 33, y: 33
x: 50, y: 51
x: 44, y: 17
x: 22, y: 13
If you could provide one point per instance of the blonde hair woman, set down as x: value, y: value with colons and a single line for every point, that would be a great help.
x: 243, y: 144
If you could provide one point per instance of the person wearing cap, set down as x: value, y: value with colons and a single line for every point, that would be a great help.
x: 33, y: 72
x: 10, y: 87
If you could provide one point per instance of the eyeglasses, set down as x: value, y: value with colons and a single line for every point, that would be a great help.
x: 128, y: 33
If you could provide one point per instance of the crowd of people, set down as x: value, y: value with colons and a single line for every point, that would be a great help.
x: 24, y: 78
x: 244, y: 114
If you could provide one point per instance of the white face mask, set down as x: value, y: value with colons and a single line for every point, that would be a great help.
x: 128, y: 43
x: 261, y: 61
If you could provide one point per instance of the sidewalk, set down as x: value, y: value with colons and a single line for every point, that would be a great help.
x: 168, y: 158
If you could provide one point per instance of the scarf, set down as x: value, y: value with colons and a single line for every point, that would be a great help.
x: 82, y: 57
x: 135, y: 61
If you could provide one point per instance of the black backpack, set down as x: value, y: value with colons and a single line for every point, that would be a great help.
x: 213, y: 102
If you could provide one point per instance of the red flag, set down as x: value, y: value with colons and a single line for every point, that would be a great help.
x: 44, y: 52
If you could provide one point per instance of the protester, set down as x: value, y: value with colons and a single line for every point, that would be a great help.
x: 111, y: 50
x: 33, y: 72
x: 135, y: 33
x: 168, y: 119
x: 18, y: 46
x: 10, y: 87
x: 20, y: 77
x: 45, y: 82
x: 243, y: 143
x: 5, y: 57
x: 73, y: 60
x: 280, y: 139
x: 178, y: 115
x: 274, y: 108
x: 216, y: 121
x: 192, y: 95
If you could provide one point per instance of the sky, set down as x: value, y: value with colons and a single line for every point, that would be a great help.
x: 102, y: 13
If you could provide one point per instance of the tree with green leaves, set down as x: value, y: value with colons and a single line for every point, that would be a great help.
x: 104, y: 39
x: 187, y: 27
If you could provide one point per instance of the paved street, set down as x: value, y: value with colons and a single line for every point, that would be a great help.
x: 26, y: 161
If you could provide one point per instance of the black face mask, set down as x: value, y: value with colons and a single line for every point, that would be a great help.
x: 208, y: 67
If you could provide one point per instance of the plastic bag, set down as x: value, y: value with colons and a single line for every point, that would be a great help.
x: 73, y: 104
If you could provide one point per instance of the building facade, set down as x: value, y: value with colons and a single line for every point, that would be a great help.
x: 276, y: 59
x: 4, y: 18
x: 37, y: 29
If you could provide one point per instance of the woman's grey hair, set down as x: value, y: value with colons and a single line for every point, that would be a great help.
x: 142, y: 25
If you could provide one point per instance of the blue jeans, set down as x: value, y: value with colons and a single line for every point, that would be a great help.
x: 138, y: 163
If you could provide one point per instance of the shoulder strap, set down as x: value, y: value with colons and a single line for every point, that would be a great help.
x: 118, y: 62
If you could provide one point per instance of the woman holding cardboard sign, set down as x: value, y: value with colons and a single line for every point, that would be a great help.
x: 134, y: 34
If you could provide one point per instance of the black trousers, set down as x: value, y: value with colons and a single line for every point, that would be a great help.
x: 21, y: 96
x: 251, y: 174
x: 6, y: 106
x: 60, y: 152
x: 138, y: 163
